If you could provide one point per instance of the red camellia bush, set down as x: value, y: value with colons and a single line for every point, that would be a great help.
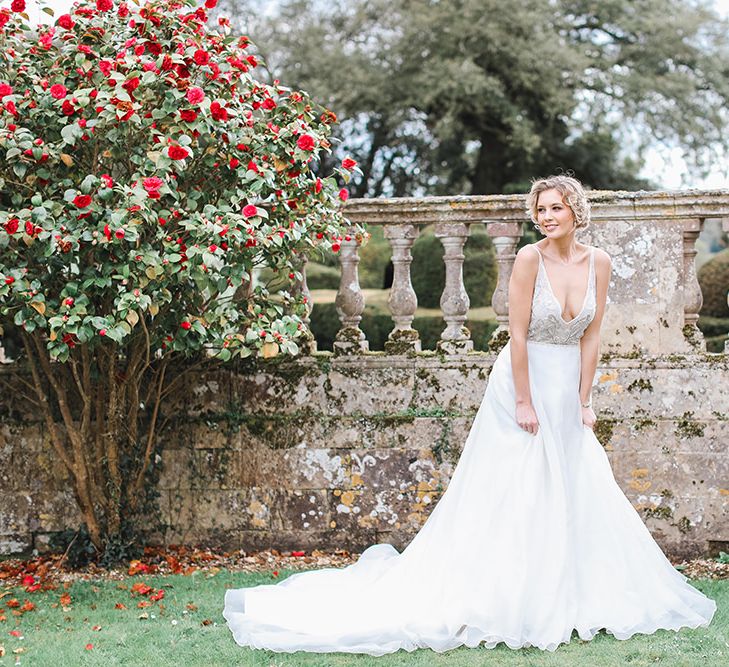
x: 145, y: 174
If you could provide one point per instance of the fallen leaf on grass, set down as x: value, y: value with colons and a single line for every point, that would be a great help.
x: 207, y: 621
x: 13, y: 603
x: 17, y: 651
x: 28, y: 606
x: 191, y: 606
x: 16, y: 633
x: 144, y: 616
x: 156, y: 597
x: 96, y: 628
x: 141, y: 588
x: 65, y: 601
x: 3, y: 618
x: 2, y: 651
x: 120, y: 605
x: 144, y: 603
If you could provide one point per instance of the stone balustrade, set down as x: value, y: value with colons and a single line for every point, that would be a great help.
x: 654, y: 298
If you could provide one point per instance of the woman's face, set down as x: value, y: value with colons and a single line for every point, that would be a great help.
x: 555, y: 218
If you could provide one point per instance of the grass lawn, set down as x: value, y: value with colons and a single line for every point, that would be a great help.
x: 186, y: 629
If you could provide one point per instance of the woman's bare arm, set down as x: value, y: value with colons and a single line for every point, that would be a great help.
x: 521, y: 290
x: 590, y: 343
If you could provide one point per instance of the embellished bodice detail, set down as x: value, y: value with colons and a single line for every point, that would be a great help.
x: 547, y: 324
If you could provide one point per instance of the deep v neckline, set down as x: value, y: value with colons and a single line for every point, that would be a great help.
x: 554, y: 296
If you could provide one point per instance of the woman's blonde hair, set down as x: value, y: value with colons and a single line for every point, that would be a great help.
x: 572, y: 193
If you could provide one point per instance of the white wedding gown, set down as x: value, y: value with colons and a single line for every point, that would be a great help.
x: 532, y: 539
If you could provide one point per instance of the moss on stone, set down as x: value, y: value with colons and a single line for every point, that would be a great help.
x: 603, y: 430
x: 498, y: 341
x: 683, y: 525
x: 641, y: 384
x: 687, y: 427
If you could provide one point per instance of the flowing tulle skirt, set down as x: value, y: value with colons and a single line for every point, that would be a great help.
x: 532, y: 539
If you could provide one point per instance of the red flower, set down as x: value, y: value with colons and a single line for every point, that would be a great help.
x: 201, y: 57
x: 108, y: 180
x: 306, y: 142
x: 9, y: 281
x: 11, y: 226
x: 188, y: 115
x: 210, y: 4
x: 195, y: 95
x: 5, y: 89
x: 269, y: 103
x: 104, y: 5
x: 28, y: 580
x: 317, y: 186
x: 249, y: 211
x: 234, y: 162
x: 18, y: 5
x: 102, y: 332
x: 123, y: 10
x: 4, y: 17
x: 177, y: 152
x: 218, y: 111
x: 106, y: 66
x: 65, y: 21
x: 107, y: 232
x: 335, y: 247
x: 10, y: 106
x: 58, y: 91
x: 185, y: 325
x: 67, y: 108
x: 348, y: 163
x: 152, y: 183
x: 344, y: 194
x: 131, y: 85
x: 82, y: 201
x: 119, y: 233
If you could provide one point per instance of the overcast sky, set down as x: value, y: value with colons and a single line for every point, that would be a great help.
x: 663, y: 166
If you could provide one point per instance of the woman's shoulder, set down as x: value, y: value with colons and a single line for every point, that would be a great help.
x: 601, y: 257
x: 528, y: 255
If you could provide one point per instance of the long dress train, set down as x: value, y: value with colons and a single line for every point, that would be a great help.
x: 532, y: 539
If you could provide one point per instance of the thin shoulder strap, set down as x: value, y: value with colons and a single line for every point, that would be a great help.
x: 539, y: 252
x: 591, y: 276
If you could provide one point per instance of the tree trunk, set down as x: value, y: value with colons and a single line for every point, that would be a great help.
x: 104, y: 438
x: 489, y: 174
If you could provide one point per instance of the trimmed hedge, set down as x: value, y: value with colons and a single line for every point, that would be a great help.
x: 714, y: 280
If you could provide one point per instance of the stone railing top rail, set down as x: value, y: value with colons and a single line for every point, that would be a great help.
x: 606, y: 205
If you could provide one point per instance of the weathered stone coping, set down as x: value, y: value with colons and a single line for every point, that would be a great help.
x: 606, y: 205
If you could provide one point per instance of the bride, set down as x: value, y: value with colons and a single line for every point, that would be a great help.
x: 533, y: 539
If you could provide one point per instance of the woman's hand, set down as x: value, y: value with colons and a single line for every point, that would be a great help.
x: 526, y: 417
x: 588, y: 417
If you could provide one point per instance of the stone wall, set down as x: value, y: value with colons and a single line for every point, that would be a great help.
x: 343, y: 452
x: 346, y: 450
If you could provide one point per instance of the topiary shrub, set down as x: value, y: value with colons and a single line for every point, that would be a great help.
x: 714, y: 280
x: 479, y: 269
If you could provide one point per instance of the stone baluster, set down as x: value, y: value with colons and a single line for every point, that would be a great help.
x: 454, y: 302
x: 505, y: 236
x: 692, y: 298
x: 350, y: 339
x: 402, y: 301
x: 308, y: 342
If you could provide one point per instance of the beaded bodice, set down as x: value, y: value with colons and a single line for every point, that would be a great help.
x: 547, y: 324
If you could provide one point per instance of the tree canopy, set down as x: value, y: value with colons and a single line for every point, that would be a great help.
x: 474, y: 96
